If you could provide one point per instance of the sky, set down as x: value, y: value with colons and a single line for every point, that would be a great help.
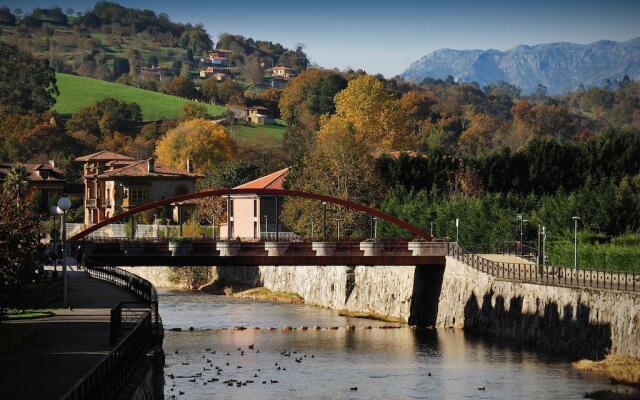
x: 386, y: 36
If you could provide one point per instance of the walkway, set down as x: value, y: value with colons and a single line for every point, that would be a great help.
x: 61, y: 349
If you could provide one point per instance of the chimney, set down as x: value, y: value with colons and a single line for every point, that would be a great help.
x: 189, y: 166
x: 150, y: 165
x: 52, y: 163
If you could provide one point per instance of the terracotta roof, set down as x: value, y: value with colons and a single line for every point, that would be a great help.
x: 279, y: 67
x: 274, y: 180
x: 35, y: 171
x: 140, y: 169
x: 104, y: 155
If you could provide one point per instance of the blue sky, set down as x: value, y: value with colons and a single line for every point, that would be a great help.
x: 385, y: 37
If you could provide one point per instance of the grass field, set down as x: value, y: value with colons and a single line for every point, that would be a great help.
x: 77, y: 92
x: 240, y: 132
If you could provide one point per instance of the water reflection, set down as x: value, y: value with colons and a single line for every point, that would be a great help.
x: 381, y: 363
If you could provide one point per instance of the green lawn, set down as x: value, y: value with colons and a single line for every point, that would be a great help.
x: 77, y: 92
x: 240, y: 132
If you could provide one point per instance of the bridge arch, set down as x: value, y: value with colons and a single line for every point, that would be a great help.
x: 260, y: 192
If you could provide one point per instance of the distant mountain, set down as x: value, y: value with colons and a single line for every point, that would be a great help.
x: 561, y: 67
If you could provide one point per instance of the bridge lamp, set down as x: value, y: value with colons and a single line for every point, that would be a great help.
x: 324, y: 221
x: 63, y: 205
x: 338, y: 228
x: 575, y: 242
x: 375, y: 228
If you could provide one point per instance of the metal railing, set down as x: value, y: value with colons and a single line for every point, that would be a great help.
x: 128, y: 314
x: 106, y: 379
x: 125, y: 279
x: 547, y: 275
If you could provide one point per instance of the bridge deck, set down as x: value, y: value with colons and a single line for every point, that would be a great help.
x: 256, y: 260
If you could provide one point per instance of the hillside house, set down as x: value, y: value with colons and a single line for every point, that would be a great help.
x: 213, y: 72
x: 255, y: 114
x: 115, y: 183
x: 48, y: 180
x: 218, y: 57
x: 281, y: 71
x: 253, y: 216
x: 154, y: 72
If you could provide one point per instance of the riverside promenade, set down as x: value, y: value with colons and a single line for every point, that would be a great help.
x: 57, y: 351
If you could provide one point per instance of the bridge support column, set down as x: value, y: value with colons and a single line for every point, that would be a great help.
x: 276, y: 248
x: 323, y: 248
x: 228, y: 248
x: 372, y: 247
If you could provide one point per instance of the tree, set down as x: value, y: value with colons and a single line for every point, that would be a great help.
x: 16, y: 179
x: 303, y: 101
x: 340, y: 165
x: 120, y: 66
x: 27, y: 85
x: 209, y: 90
x: 20, y: 253
x: 193, y: 110
x: 6, y: 18
x: 206, y: 143
x: 252, y: 71
x: 230, y: 92
x: 152, y: 60
x: 107, y: 116
x: 231, y: 174
x: 182, y: 87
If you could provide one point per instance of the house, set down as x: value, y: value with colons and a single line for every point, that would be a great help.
x: 254, y: 114
x: 281, y: 71
x: 154, y: 72
x: 254, y: 216
x: 213, y: 72
x: 48, y: 180
x: 218, y: 57
x: 277, y: 82
x: 115, y: 183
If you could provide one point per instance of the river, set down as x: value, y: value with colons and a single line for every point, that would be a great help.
x: 330, y: 364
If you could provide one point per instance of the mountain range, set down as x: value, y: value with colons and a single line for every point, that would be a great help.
x: 560, y: 67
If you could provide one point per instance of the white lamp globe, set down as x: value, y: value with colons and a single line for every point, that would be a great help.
x: 59, y: 211
x: 64, y: 203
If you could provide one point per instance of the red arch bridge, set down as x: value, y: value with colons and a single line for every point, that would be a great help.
x: 204, y: 252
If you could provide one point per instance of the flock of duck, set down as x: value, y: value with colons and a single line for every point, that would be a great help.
x: 213, y: 373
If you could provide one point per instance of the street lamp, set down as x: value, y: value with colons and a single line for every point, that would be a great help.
x: 575, y: 242
x: 457, y: 229
x: 266, y: 226
x: 338, y: 228
x: 375, y: 228
x: 63, y: 205
x: 324, y: 221
x: 431, y: 229
x: 54, y: 212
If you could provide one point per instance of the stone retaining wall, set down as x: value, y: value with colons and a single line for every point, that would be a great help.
x: 575, y: 321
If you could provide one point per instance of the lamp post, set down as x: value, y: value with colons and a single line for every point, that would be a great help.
x: 54, y: 212
x: 312, y: 230
x: 324, y: 221
x: 338, y: 229
x: 457, y: 230
x: 266, y: 226
x: 63, y: 205
x: 431, y: 229
x: 544, y: 238
x: 375, y: 228
x: 575, y: 242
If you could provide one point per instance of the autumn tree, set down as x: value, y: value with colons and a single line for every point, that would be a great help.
x: 181, y: 87
x: 541, y: 120
x: 340, y: 165
x: 252, y: 70
x: 193, y: 110
x: 209, y: 90
x: 303, y: 101
x: 204, y: 142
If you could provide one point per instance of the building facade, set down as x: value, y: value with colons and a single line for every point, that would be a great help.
x: 45, y: 178
x: 115, y: 183
x: 254, y: 217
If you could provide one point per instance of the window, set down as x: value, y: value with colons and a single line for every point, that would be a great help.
x: 255, y: 208
x: 255, y: 229
x: 137, y: 195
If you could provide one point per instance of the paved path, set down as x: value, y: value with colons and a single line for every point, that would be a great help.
x: 506, y: 258
x: 61, y: 349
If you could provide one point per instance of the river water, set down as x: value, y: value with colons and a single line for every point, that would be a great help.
x: 329, y: 364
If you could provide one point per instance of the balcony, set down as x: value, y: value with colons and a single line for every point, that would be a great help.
x: 91, y: 202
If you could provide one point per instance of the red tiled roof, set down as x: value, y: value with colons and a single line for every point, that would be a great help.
x: 274, y: 180
x: 52, y: 174
x: 104, y: 155
x: 140, y: 169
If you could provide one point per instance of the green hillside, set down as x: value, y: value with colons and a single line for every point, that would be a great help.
x: 77, y: 92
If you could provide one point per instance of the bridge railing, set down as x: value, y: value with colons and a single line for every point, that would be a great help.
x: 548, y: 275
